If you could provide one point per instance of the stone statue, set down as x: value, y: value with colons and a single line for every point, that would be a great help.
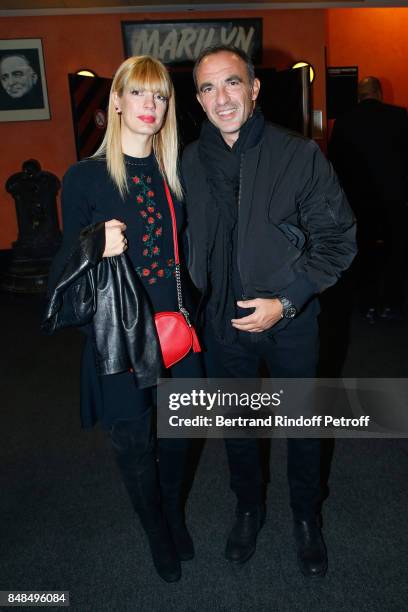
x: 35, y: 194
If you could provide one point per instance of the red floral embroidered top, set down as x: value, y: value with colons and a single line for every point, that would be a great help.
x: 151, y: 246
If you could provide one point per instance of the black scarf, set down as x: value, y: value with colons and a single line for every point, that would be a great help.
x: 222, y: 165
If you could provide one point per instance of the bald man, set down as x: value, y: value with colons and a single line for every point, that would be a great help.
x: 369, y: 150
x: 370, y: 88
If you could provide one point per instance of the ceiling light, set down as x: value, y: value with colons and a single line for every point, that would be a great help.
x: 305, y: 64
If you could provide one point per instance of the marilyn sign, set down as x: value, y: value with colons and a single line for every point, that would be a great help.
x: 181, y: 42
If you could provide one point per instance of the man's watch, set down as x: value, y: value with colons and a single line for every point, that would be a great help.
x: 289, y: 310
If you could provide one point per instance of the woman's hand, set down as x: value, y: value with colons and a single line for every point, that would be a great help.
x: 115, y: 240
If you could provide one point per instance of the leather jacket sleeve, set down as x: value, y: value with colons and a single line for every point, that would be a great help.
x: 72, y: 301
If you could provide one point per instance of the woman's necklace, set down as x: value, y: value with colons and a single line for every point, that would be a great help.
x: 139, y: 163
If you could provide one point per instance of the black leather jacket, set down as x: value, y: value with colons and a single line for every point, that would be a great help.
x: 106, y: 294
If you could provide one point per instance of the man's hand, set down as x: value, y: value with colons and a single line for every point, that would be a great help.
x: 115, y: 240
x: 268, y: 311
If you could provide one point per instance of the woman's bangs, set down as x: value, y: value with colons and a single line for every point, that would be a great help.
x: 149, y: 76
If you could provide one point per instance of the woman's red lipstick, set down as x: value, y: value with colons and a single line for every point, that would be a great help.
x: 147, y: 118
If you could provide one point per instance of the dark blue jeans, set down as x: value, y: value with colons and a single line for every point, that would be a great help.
x: 291, y: 353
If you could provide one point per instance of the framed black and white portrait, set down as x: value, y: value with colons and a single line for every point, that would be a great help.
x: 23, y: 87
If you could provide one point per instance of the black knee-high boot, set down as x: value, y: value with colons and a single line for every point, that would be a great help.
x: 135, y: 457
x: 173, y: 455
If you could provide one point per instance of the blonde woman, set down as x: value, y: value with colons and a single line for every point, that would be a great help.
x: 123, y: 185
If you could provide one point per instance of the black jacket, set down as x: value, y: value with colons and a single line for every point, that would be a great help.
x: 296, y: 231
x: 94, y: 291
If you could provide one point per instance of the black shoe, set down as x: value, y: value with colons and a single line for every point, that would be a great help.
x: 241, y: 543
x: 311, y: 550
x: 164, y: 554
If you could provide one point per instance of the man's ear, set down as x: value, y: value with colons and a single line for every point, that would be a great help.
x: 256, y: 86
x: 199, y: 100
x: 35, y: 78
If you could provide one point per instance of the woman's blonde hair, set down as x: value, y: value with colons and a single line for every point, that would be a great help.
x: 142, y: 72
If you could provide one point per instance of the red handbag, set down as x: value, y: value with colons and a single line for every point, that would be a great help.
x: 176, y: 334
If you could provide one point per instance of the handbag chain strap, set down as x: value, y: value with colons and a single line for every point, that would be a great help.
x: 183, y: 310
